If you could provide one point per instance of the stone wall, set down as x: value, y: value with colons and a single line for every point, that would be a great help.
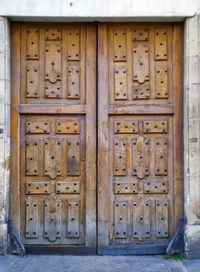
x: 4, y: 128
x: 192, y: 136
x: 95, y: 10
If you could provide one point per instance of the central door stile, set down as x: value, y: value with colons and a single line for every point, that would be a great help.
x: 103, y: 147
x: 91, y: 140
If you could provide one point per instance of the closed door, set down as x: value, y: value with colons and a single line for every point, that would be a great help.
x: 54, y: 184
x: 53, y: 175
x: 140, y: 185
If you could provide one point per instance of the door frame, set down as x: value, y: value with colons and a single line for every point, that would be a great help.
x: 103, y: 87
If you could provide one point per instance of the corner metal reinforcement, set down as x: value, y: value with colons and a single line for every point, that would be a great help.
x: 176, y: 244
x: 16, y: 246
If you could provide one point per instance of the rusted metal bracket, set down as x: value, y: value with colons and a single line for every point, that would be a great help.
x: 16, y: 246
x: 176, y: 244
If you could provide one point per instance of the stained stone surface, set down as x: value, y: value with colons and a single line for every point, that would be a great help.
x: 95, y: 264
x: 192, y: 136
x: 4, y: 128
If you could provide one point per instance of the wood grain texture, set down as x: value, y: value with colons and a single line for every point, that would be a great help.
x: 178, y: 120
x: 15, y: 128
x: 148, y: 99
x: 49, y: 145
x: 91, y: 140
x: 54, y: 104
x: 104, y: 191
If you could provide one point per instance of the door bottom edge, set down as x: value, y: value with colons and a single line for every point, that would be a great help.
x: 61, y: 250
x: 132, y: 250
x: 102, y: 250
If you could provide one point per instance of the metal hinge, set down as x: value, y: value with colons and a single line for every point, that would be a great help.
x: 176, y: 245
x: 15, y: 245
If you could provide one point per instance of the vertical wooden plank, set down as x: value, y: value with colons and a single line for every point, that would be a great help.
x: 73, y: 44
x: 161, y: 157
x: 73, y: 157
x: 120, y: 83
x: 32, y: 46
x: 140, y: 63
x: 32, y: 80
x: 53, y: 61
x: 120, y: 157
x: 103, y: 174
x: 53, y: 155
x: 52, y: 222
x: 121, y: 219
x: 73, y: 219
x: 32, y: 157
x: 91, y: 220
x: 161, y: 44
x: 31, y: 218
x: 161, y: 81
x: 15, y: 128
x: 161, y: 218
x: 120, y: 47
x: 53, y: 67
x: 141, y: 219
x: 73, y: 82
x: 178, y: 119
x: 140, y: 156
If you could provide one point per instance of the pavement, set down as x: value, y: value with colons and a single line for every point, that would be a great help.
x: 54, y: 263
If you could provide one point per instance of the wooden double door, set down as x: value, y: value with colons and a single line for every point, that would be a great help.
x: 96, y: 127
